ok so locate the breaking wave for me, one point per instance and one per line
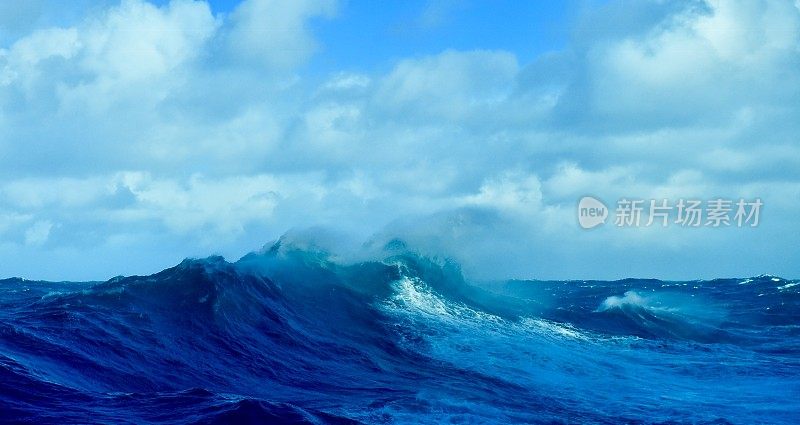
(290, 335)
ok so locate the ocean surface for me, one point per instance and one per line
(291, 335)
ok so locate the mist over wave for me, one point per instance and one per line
(295, 334)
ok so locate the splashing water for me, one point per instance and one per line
(288, 335)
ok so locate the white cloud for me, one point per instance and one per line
(450, 84)
(698, 64)
(167, 126)
(512, 192)
(347, 82)
(138, 40)
(221, 206)
(44, 44)
(274, 33)
(570, 182)
(136, 54)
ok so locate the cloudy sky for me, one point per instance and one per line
(134, 133)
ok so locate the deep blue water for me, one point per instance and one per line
(291, 336)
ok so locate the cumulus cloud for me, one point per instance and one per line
(449, 85)
(701, 65)
(174, 131)
(275, 33)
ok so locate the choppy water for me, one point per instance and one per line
(291, 336)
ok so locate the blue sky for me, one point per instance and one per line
(367, 36)
(134, 134)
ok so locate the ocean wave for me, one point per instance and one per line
(660, 315)
(292, 334)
